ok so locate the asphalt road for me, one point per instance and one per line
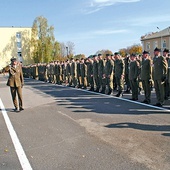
(63, 128)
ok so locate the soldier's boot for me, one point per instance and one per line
(119, 94)
(112, 92)
(100, 89)
(96, 90)
(91, 89)
(108, 90)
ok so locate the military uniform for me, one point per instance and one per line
(127, 61)
(165, 54)
(119, 69)
(159, 76)
(51, 79)
(78, 73)
(95, 73)
(83, 73)
(108, 74)
(57, 72)
(100, 72)
(146, 77)
(73, 73)
(68, 70)
(16, 81)
(168, 75)
(133, 75)
(90, 74)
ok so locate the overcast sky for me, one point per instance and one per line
(91, 24)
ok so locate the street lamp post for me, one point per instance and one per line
(67, 51)
(42, 51)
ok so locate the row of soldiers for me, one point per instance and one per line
(113, 72)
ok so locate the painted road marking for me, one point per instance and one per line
(18, 147)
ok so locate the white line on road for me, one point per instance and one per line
(18, 147)
(124, 99)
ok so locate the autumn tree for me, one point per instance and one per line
(104, 52)
(56, 55)
(123, 52)
(42, 40)
(136, 49)
(79, 56)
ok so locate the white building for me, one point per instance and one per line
(14, 42)
(159, 39)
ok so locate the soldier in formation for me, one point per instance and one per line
(108, 73)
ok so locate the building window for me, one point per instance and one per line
(155, 44)
(18, 35)
(148, 46)
(164, 44)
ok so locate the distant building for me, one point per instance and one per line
(14, 42)
(159, 39)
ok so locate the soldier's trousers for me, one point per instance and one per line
(14, 92)
(134, 88)
(166, 89)
(147, 89)
(73, 80)
(96, 82)
(90, 81)
(120, 83)
(58, 81)
(160, 90)
(101, 83)
(109, 81)
(83, 81)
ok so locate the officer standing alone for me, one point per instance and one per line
(16, 82)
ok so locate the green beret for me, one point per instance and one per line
(145, 52)
(157, 49)
(13, 59)
(166, 50)
(116, 53)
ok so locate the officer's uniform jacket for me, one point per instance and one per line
(108, 69)
(15, 76)
(100, 67)
(119, 68)
(146, 70)
(168, 75)
(73, 69)
(159, 68)
(133, 70)
(95, 68)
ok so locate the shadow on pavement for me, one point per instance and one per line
(166, 134)
(144, 127)
(71, 98)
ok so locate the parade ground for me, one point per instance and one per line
(65, 128)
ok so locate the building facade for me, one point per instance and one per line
(160, 39)
(14, 42)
